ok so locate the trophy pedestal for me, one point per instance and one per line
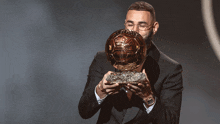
(126, 77)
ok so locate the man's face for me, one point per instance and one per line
(136, 20)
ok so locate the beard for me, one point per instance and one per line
(148, 39)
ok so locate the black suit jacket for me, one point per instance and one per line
(165, 76)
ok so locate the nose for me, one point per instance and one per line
(135, 28)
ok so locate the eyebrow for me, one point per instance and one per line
(141, 22)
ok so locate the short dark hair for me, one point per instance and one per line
(143, 6)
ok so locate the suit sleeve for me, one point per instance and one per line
(168, 105)
(88, 104)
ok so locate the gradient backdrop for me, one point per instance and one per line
(47, 47)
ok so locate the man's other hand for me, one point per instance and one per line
(142, 89)
(105, 87)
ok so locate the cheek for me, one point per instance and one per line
(144, 34)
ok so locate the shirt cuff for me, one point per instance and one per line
(148, 110)
(99, 100)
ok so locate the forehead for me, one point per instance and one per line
(138, 16)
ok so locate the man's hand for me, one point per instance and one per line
(143, 89)
(106, 88)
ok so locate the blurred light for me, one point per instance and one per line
(209, 23)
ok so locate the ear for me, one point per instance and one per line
(155, 28)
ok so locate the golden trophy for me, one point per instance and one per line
(126, 51)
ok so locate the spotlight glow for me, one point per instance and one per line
(209, 23)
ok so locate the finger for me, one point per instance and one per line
(141, 85)
(146, 81)
(112, 91)
(143, 71)
(126, 87)
(113, 86)
(109, 91)
(134, 91)
(134, 87)
(108, 83)
(116, 92)
(108, 73)
(144, 84)
(111, 83)
(104, 81)
(138, 93)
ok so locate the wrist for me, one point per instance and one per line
(100, 91)
(149, 100)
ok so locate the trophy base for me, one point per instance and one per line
(126, 77)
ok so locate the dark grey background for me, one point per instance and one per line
(47, 47)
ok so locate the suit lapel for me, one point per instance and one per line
(154, 52)
(130, 114)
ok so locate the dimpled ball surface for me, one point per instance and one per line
(125, 49)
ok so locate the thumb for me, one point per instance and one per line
(143, 71)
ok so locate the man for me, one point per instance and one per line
(131, 105)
